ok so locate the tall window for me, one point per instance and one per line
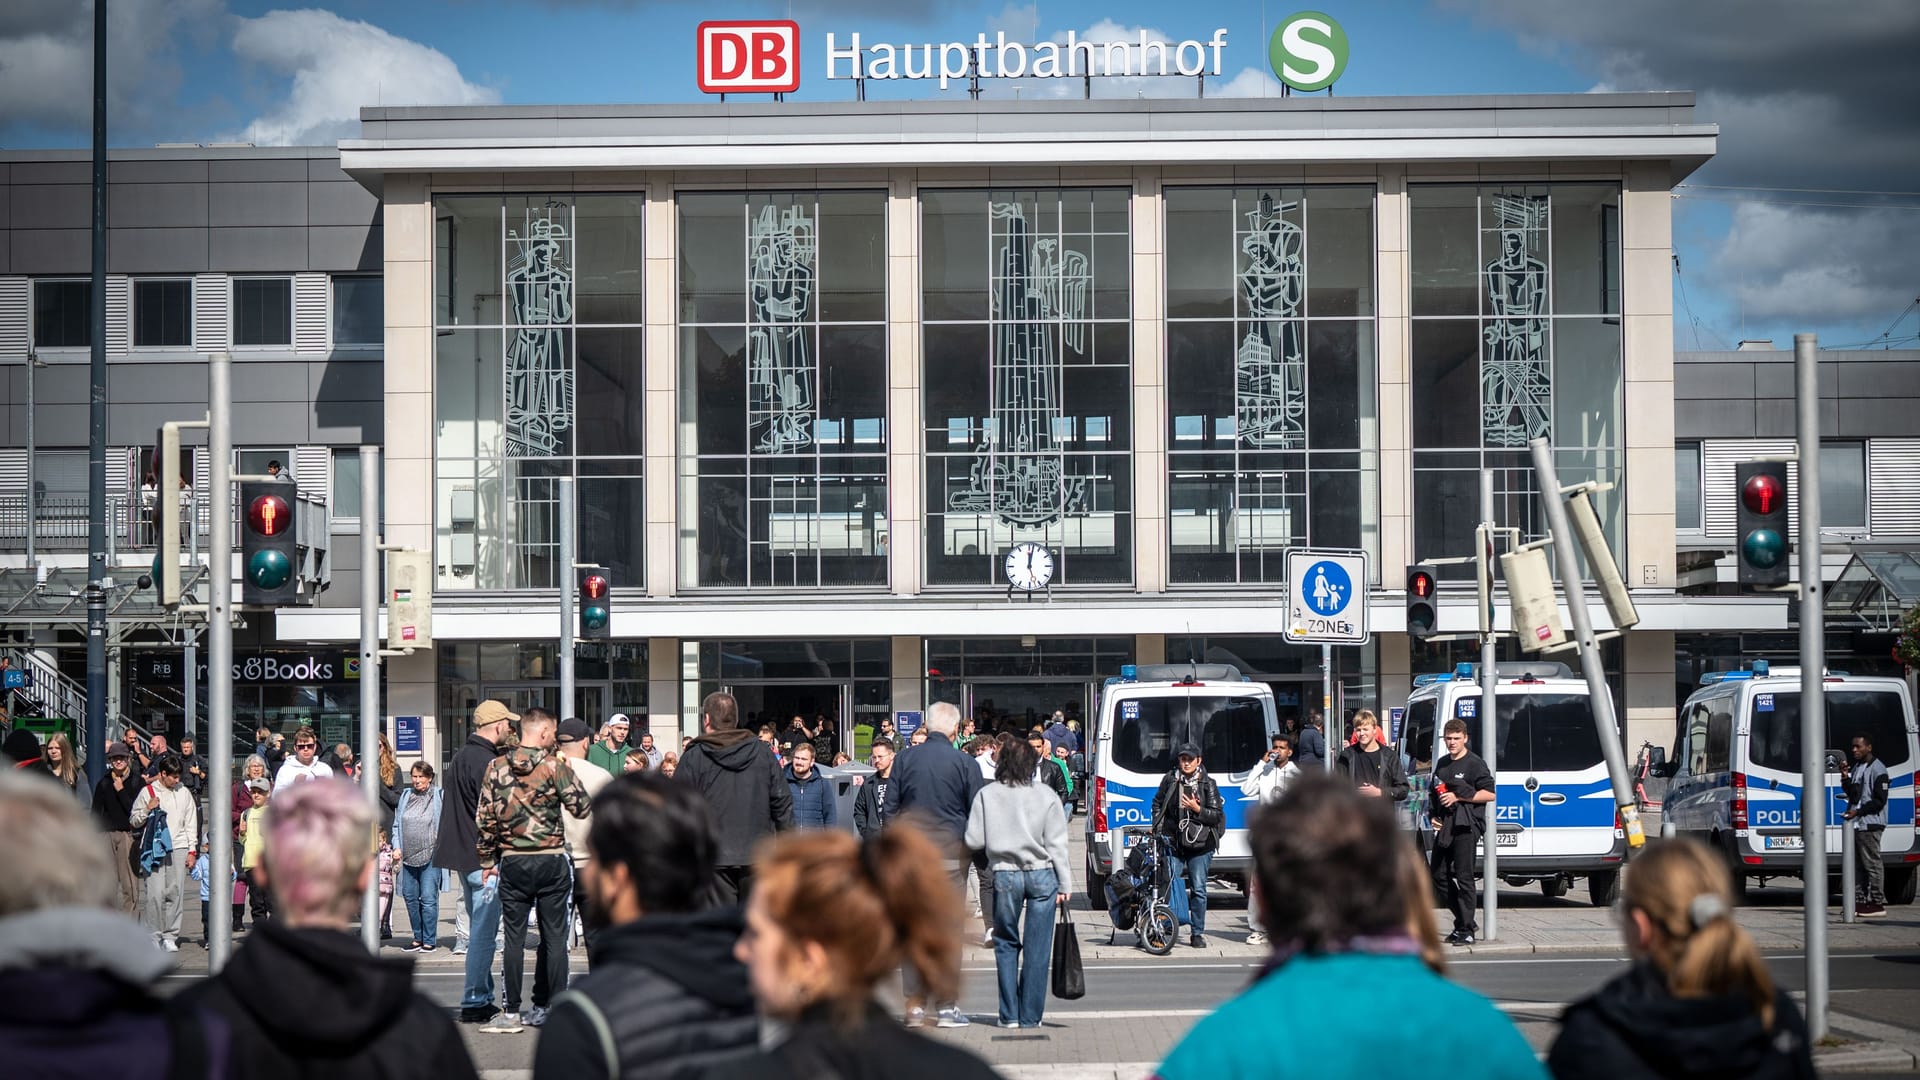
(263, 311)
(1027, 381)
(1272, 424)
(1516, 336)
(162, 313)
(1843, 485)
(62, 316)
(1688, 513)
(359, 311)
(784, 383)
(537, 376)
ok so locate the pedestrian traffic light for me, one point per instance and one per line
(1423, 618)
(596, 606)
(1761, 517)
(267, 546)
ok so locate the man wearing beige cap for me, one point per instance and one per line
(459, 852)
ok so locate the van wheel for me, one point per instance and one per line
(1735, 870)
(1900, 883)
(1603, 888)
(1553, 888)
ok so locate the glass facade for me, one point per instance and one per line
(1272, 417)
(783, 376)
(1027, 381)
(537, 376)
(1515, 336)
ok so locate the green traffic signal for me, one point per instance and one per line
(1764, 548)
(269, 568)
(593, 617)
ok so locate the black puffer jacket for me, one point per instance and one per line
(675, 1001)
(459, 846)
(744, 787)
(875, 1048)
(1635, 1027)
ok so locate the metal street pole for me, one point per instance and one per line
(219, 641)
(190, 687)
(1813, 670)
(33, 496)
(370, 720)
(97, 421)
(1489, 727)
(567, 558)
(1564, 551)
(1326, 704)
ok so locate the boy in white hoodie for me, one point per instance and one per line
(167, 884)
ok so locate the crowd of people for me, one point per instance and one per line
(734, 932)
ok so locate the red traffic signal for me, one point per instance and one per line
(593, 587)
(1763, 493)
(1423, 617)
(268, 515)
(1420, 583)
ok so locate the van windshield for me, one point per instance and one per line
(1541, 732)
(1873, 713)
(1148, 732)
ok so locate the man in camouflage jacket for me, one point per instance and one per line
(522, 844)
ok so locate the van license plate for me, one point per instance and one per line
(1785, 843)
(1507, 839)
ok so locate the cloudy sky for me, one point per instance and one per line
(1809, 219)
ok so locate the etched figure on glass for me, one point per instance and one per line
(1039, 290)
(1270, 368)
(1514, 374)
(780, 286)
(537, 375)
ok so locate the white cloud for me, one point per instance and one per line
(1819, 265)
(1022, 24)
(46, 61)
(338, 65)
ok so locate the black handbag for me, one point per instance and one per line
(1069, 977)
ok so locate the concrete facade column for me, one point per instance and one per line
(1651, 707)
(906, 425)
(661, 423)
(1646, 282)
(1396, 670)
(1150, 541)
(412, 682)
(909, 673)
(663, 689)
(1394, 426)
(1149, 649)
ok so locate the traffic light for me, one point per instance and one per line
(267, 547)
(596, 606)
(1423, 618)
(166, 516)
(1761, 515)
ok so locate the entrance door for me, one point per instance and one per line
(777, 703)
(1021, 706)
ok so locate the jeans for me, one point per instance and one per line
(483, 919)
(1870, 885)
(1023, 942)
(540, 882)
(420, 889)
(1195, 869)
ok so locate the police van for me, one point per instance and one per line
(1554, 815)
(1145, 715)
(1736, 769)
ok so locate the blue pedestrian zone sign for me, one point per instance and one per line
(1327, 597)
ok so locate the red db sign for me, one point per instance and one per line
(749, 57)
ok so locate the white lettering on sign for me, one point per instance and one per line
(952, 60)
(272, 669)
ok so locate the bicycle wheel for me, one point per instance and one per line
(1157, 929)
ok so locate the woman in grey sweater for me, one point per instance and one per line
(1018, 824)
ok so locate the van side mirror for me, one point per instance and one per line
(1664, 769)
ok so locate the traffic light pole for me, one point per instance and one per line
(1489, 726)
(219, 646)
(96, 707)
(370, 719)
(1554, 501)
(567, 598)
(1813, 671)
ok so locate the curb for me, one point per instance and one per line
(1870, 1058)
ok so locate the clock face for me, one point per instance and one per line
(1029, 566)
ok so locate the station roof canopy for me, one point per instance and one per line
(1876, 587)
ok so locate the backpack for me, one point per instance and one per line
(155, 842)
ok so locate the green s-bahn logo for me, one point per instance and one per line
(1308, 51)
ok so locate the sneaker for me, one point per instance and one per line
(1870, 911)
(916, 1017)
(536, 1016)
(1258, 937)
(952, 1017)
(507, 1023)
(1462, 939)
(1453, 938)
(1198, 941)
(1010, 1024)
(169, 944)
(477, 1014)
(459, 950)
(986, 939)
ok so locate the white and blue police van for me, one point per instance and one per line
(1554, 817)
(1144, 717)
(1736, 770)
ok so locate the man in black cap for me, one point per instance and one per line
(1189, 812)
(574, 738)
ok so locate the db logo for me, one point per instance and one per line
(749, 57)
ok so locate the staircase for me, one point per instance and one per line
(54, 694)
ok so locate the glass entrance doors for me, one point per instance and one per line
(1022, 706)
(777, 703)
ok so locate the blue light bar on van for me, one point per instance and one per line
(1463, 670)
(1760, 668)
(1128, 672)
(1713, 677)
(1429, 680)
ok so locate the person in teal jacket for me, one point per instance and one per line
(1346, 905)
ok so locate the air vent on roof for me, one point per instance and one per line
(1757, 345)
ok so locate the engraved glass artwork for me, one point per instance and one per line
(1039, 295)
(780, 285)
(538, 380)
(1514, 376)
(1270, 363)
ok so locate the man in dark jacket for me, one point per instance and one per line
(459, 852)
(935, 783)
(1313, 745)
(813, 795)
(303, 997)
(744, 789)
(1190, 813)
(869, 803)
(112, 804)
(1373, 766)
(665, 988)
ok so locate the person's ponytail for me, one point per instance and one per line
(1721, 958)
(1687, 892)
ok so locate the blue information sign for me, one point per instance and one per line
(406, 734)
